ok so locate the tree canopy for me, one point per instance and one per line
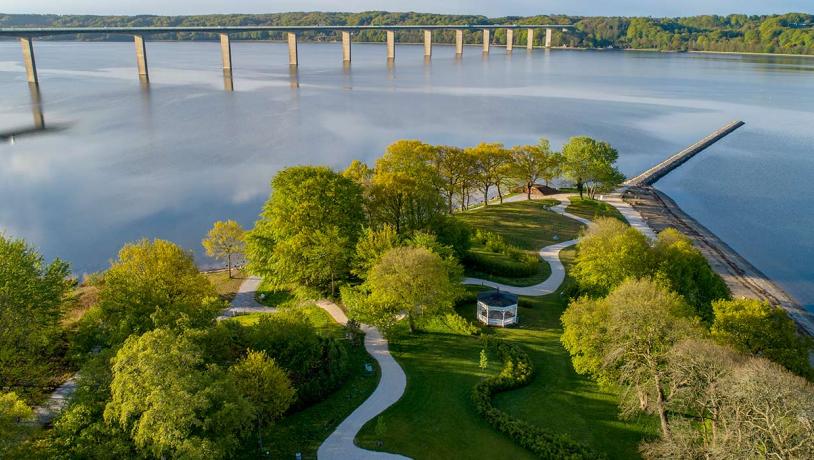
(31, 298)
(153, 284)
(308, 228)
(224, 241)
(414, 281)
(590, 164)
(760, 329)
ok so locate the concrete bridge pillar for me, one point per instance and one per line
(292, 49)
(459, 42)
(486, 41)
(391, 45)
(226, 52)
(530, 39)
(345, 46)
(141, 57)
(427, 43)
(509, 40)
(28, 59)
(548, 33)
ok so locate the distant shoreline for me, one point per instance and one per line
(518, 47)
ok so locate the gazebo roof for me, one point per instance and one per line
(497, 298)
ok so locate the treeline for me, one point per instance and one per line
(652, 318)
(789, 33)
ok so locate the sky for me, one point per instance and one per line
(490, 8)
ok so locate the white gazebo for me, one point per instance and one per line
(496, 308)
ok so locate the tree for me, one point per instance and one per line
(370, 247)
(307, 229)
(749, 408)
(490, 162)
(610, 252)
(154, 284)
(224, 240)
(529, 163)
(760, 329)
(639, 322)
(590, 163)
(413, 280)
(453, 165)
(171, 403)
(265, 386)
(405, 189)
(31, 297)
(688, 273)
(484, 360)
(13, 411)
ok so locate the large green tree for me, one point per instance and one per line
(406, 188)
(414, 281)
(529, 163)
(454, 167)
(265, 386)
(761, 329)
(491, 164)
(626, 337)
(687, 272)
(172, 403)
(152, 284)
(31, 297)
(307, 230)
(590, 164)
(608, 253)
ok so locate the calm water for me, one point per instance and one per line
(168, 160)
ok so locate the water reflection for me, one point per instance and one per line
(38, 127)
(228, 81)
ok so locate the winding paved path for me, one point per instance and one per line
(550, 254)
(245, 300)
(339, 445)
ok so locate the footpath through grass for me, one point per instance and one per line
(528, 225)
(592, 209)
(305, 430)
(436, 417)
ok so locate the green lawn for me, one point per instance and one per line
(436, 419)
(529, 225)
(226, 287)
(591, 209)
(305, 430)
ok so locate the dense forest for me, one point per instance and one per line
(788, 33)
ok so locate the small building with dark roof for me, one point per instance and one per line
(497, 308)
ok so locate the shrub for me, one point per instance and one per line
(528, 266)
(518, 371)
(450, 323)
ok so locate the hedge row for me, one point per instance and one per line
(517, 372)
(529, 265)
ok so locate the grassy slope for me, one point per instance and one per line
(591, 209)
(304, 431)
(226, 287)
(435, 417)
(525, 224)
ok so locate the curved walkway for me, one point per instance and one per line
(245, 300)
(550, 254)
(339, 445)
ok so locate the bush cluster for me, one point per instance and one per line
(450, 323)
(518, 371)
(522, 264)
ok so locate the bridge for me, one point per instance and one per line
(27, 35)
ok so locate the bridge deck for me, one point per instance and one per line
(45, 31)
